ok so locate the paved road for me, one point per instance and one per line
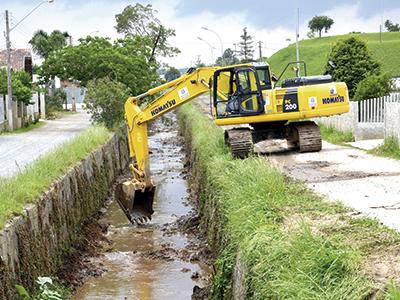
(18, 150)
(366, 183)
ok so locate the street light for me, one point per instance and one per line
(11, 123)
(220, 41)
(211, 47)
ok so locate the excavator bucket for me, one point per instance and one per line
(137, 204)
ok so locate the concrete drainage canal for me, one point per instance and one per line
(167, 258)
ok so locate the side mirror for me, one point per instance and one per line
(274, 78)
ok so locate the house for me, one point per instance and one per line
(21, 59)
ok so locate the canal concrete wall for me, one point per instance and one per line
(34, 243)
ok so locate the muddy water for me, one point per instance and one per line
(152, 261)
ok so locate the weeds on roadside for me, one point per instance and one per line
(389, 148)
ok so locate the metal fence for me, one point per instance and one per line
(372, 110)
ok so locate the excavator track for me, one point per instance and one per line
(240, 142)
(304, 136)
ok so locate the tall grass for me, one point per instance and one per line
(245, 205)
(30, 183)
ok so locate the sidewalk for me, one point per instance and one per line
(18, 150)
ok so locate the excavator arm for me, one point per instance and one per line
(136, 194)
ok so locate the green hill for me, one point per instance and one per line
(315, 52)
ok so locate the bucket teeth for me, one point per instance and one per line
(136, 203)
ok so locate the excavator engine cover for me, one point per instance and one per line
(137, 204)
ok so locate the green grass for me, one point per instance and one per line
(315, 53)
(390, 148)
(29, 184)
(26, 129)
(294, 245)
(335, 136)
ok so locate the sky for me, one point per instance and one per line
(271, 22)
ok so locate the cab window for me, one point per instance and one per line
(264, 77)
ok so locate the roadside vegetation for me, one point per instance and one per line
(25, 129)
(291, 243)
(334, 136)
(36, 178)
(389, 148)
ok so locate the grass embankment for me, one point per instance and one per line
(335, 136)
(36, 178)
(390, 148)
(315, 52)
(294, 245)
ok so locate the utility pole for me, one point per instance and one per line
(381, 25)
(297, 42)
(10, 114)
(259, 50)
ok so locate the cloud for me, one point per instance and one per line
(81, 18)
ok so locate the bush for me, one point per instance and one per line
(352, 63)
(373, 86)
(55, 102)
(105, 100)
(171, 74)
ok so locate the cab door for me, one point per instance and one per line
(248, 92)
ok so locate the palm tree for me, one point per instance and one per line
(43, 43)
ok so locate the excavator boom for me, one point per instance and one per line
(136, 194)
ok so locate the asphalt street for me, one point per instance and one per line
(18, 150)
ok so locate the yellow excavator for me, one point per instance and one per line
(239, 94)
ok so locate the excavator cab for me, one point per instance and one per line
(237, 91)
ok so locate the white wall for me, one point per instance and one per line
(392, 120)
(345, 122)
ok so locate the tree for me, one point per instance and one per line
(140, 20)
(311, 34)
(391, 27)
(373, 86)
(171, 74)
(124, 60)
(55, 102)
(246, 46)
(105, 100)
(43, 44)
(21, 84)
(228, 58)
(351, 62)
(318, 23)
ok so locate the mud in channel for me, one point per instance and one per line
(167, 258)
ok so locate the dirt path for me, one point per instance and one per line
(167, 258)
(18, 150)
(366, 183)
